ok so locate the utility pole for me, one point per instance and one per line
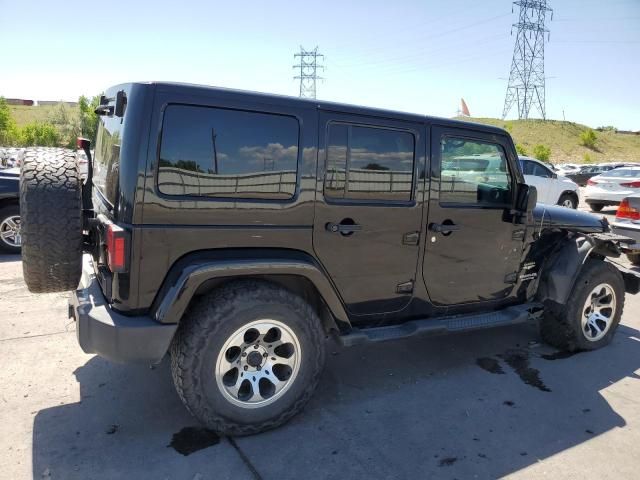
(308, 71)
(526, 80)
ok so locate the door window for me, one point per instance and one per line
(474, 172)
(369, 163)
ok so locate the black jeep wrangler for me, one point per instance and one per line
(237, 231)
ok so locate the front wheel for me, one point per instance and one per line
(10, 237)
(591, 316)
(248, 357)
(596, 207)
(567, 200)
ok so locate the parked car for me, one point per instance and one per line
(238, 230)
(10, 238)
(611, 187)
(627, 223)
(582, 176)
(552, 188)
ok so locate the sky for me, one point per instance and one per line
(414, 56)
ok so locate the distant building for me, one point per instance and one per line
(19, 101)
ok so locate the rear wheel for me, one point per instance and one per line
(51, 220)
(596, 207)
(634, 258)
(248, 357)
(591, 315)
(10, 235)
(568, 200)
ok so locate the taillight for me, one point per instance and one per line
(635, 184)
(591, 182)
(116, 242)
(625, 210)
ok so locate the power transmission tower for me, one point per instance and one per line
(308, 71)
(526, 80)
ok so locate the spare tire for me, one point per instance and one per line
(51, 220)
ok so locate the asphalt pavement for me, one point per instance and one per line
(485, 404)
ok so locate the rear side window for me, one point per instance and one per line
(369, 163)
(106, 161)
(214, 152)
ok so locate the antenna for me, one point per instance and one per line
(526, 80)
(308, 71)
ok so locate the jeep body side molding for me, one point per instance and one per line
(192, 275)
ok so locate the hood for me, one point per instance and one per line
(553, 216)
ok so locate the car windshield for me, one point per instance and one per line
(621, 173)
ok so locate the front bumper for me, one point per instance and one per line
(110, 334)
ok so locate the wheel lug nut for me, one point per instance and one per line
(265, 355)
(255, 346)
(244, 354)
(259, 368)
(245, 368)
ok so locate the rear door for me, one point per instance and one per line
(473, 248)
(368, 216)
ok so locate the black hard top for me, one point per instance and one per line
(269, 98)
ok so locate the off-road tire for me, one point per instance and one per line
(561, 325)
(5, 213)
(51, 220)
(634, 258)
(567, 196)
(596, 207)
(206, 326)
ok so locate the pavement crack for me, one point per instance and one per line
(35, 336)
(245, 459)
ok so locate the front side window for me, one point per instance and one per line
(474, 173)
(214, 152)
(369, 163)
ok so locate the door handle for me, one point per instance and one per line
(343, 228)
(444, 228)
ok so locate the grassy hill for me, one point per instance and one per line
(564, 140)
(42, 113)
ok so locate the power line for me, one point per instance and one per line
(526, 80)
(308, 71)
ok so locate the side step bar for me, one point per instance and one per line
(443, 325)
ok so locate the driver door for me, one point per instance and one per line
(473, 248)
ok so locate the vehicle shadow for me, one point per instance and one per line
(426, 406)
(9, 257)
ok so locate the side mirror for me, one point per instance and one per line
(527, 197)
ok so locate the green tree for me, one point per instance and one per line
(542, 152)
(39, 134)
(88, 117)
(8, 128)
(588, 138)
(521, 150)
(67, 122)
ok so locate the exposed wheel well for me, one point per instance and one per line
(296, 284)
(571, 193)
(5, 202)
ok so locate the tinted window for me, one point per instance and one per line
(534, 168)
(458, 185)
(106, 161)
(227, 153)
(366, 163)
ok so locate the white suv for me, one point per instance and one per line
(553, 189)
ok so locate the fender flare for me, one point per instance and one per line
(562, 267)
(190, 273)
